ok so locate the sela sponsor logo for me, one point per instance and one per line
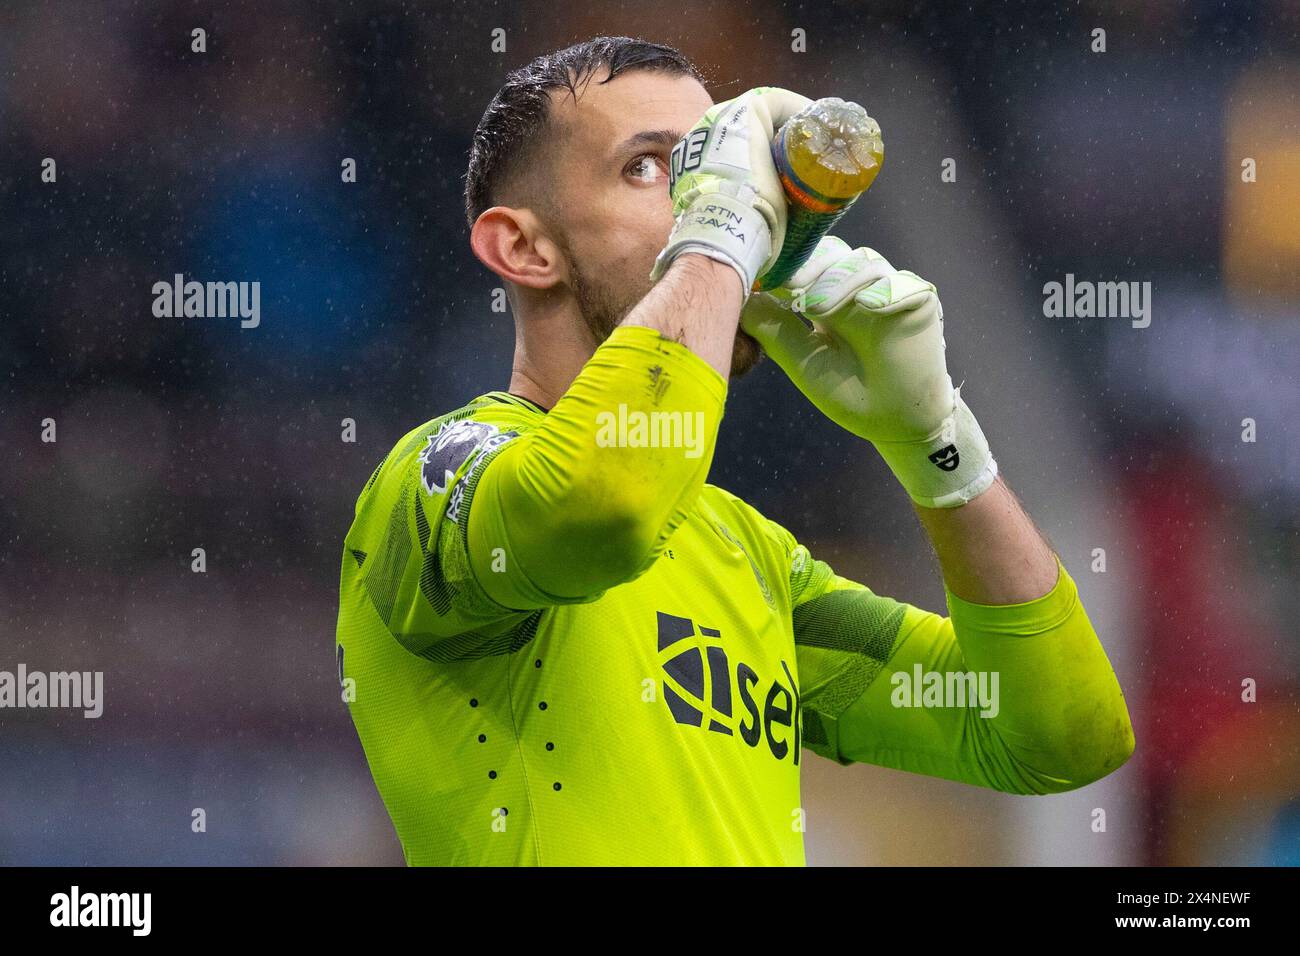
(74, 908)
(922, 688)
(638, 429)
(208, 300)
(73, 689)
(1101, 300)
(697, 684)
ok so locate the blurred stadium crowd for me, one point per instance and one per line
(176, 434)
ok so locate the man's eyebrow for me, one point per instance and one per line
(667, 138)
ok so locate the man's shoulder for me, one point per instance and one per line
(488, 414)
(436, 451)
(411, 521)
(736, 510)
(720, 498)
(451, 438)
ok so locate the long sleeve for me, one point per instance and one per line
(1058, 720)
(478, 520)
(588, 498)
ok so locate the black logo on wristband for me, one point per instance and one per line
(946, 458)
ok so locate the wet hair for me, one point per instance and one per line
(511, 131)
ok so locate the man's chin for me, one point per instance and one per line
(745, 355)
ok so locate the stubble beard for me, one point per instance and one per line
(603, 309)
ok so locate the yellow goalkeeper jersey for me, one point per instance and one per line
(517, 708)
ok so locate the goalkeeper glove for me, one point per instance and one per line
(727, 195)
(873, 363)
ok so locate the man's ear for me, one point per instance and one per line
(514, 245)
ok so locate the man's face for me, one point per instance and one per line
(610, 204)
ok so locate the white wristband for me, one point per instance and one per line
(724, 228)
(949, 468)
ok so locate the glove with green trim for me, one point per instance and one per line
(873, 362)
(727, 195)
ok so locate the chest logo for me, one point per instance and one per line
(698, 680)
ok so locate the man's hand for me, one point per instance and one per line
(726, 192)
(873, 362)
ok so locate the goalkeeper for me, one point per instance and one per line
(559, 644)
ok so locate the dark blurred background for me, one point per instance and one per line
(175, 434)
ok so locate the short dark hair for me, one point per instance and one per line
(509, 130)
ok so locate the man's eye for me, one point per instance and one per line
(648, 168)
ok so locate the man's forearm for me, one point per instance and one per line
(576, 513)
(990, 550)
(696, 303)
